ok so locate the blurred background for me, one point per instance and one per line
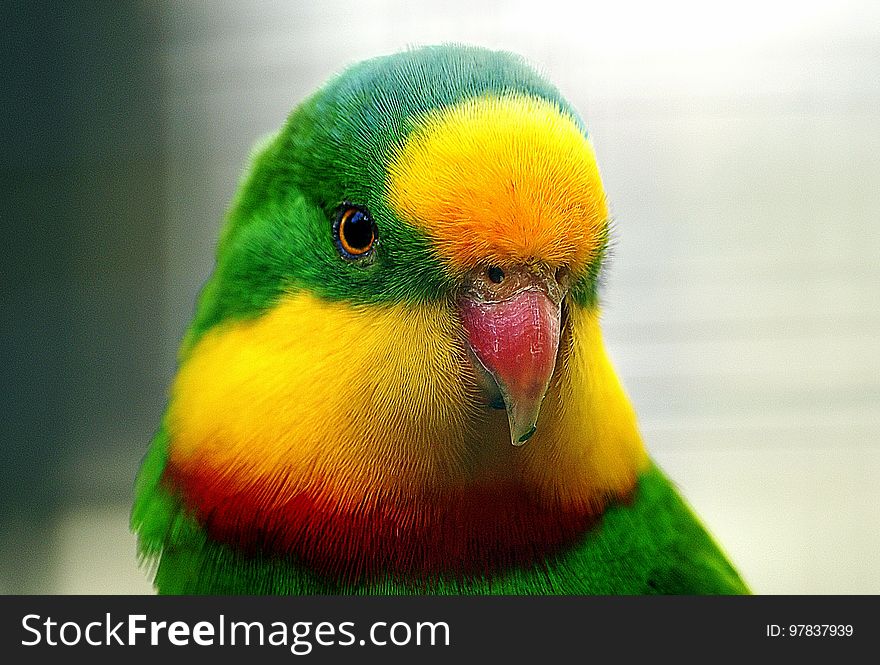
(740, 147)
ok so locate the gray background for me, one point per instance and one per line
(740, 148)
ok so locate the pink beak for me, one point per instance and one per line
(516, 340)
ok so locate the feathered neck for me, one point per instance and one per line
(353, 439)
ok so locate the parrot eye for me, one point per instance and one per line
(354, 231)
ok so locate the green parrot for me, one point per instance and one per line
(395, 380)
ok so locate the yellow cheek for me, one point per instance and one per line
(373, 402)
(590, 445)
(321, 392)
(501, 180)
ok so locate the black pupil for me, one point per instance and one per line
(358, 231)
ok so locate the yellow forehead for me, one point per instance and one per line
(501, 180)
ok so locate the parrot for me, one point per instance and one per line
(395, 380)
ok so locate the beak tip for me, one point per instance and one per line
(525, 436)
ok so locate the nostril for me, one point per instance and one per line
(561, 275)
(496, 274)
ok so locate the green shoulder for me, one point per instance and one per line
(655, 545)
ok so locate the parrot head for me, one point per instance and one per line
(397, 363)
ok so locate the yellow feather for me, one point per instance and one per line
(530, 190)
(380, 401)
